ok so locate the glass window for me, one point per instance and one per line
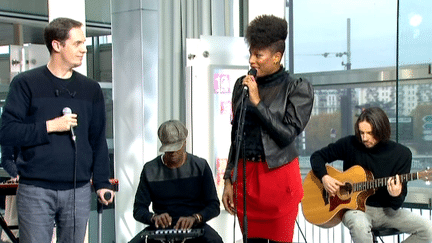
(391, 65)
(415, 28)
(4, 49)
(330, 34)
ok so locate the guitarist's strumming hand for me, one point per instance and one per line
(331, 185)
(394, 186)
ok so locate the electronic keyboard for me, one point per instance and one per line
(171, 235)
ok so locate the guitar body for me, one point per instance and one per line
(325, 211)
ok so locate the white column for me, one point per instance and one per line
(73, 9)
(135, 35)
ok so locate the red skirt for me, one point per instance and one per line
(272, 199)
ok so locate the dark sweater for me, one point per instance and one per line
(36, 96)
(383, 160)
(179, 192)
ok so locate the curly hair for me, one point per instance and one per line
(379, 121)
(267, 31)
(58, 29)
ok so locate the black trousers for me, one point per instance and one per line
(210, 236)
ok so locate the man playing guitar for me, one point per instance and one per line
(372, 149)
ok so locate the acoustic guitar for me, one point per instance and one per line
(324, 211)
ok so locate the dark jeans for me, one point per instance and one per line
(39, 209)
(210, 236)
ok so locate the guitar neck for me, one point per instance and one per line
(382, 182)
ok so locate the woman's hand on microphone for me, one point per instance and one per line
(252, 85)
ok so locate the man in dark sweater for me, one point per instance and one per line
(372, 149)
(180, 187)
(57, 162)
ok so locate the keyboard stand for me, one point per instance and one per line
(7, 229)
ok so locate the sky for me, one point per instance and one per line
(321, 27)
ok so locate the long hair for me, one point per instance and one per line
(58, 29)
(267, 31)
(379, 121)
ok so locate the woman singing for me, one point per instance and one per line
(278, 109)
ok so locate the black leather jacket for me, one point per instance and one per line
(282, 119)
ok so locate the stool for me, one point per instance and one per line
(377, 233)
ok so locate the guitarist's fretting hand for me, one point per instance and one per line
(331, 185)
(394, 187)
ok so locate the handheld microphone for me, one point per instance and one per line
(107, 195)
(67, 111)
(252, 72)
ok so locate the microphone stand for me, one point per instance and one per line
(74, 182)
(238, 143)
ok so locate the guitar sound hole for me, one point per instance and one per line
(345, 190)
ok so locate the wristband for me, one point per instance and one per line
(198, 218)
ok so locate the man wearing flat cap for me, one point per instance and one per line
(180, 187)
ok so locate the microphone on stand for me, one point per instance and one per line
(67, 111)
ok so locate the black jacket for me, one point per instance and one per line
(282, 116)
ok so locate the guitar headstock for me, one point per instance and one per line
(425, 175)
